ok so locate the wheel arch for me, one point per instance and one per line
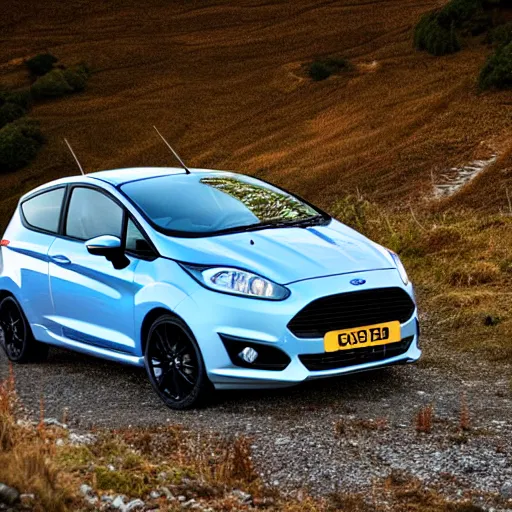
(148, 321)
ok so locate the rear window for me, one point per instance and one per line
(199, 204)
(43, 211)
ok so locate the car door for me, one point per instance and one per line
(93, 301)
(28, 248)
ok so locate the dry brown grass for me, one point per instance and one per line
(424, 419)
(223, 81)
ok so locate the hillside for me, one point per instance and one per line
(226, 84)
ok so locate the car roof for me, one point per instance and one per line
(117, 177)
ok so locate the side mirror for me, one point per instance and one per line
(110, 247)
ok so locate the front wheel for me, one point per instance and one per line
(174, 364)
(15, 334)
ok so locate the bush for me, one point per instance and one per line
(10, 112)
(77, 77)
(21, 97)
(41, 64)
(497, 72)
(501, 35)
(19, 144)
(436, 32)
(60, 82)
(321, 69)
(430, 35)
(51, 85)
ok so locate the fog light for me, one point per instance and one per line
(248, 354)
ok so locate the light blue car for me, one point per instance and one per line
(209, 279)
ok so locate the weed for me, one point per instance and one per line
(19, 144)
(321, 69)
(424, 419)
(497, 71)
(464, 419)
(41, 64)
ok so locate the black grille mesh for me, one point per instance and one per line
(353, 309)
(344, 358)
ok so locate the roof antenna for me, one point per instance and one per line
(74, 156)
(187, 170)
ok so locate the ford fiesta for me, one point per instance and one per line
(208, 279)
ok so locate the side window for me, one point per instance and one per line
(43, 210)
(136, 242)
(92, 214)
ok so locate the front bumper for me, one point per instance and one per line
(210, 314)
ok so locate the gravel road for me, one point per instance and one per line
(295, 439)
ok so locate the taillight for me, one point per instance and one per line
(4, 243)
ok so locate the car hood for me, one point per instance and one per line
(284, 255)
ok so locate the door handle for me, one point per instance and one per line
(60, 259)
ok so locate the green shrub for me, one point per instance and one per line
(321, 69)
(21, 97)
(10, 112)
(501, 35)
(77, 77)
(19, 144)
(51, 85)
(497, 71)
(432, 36)
(41, 64)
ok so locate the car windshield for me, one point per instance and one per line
(202, 204)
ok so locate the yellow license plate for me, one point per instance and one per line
(359, 337)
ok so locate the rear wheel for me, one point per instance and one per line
(16, 336)
(174, 364)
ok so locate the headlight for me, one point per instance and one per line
(238, 282)
(399, 267)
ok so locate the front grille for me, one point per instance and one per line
(344, 358)
(353, 309)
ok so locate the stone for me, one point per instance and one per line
(188, 504)
(154, 495)
(86, 490)
(8, 495)
(134, 505)
(506, 490)
(167, 493)
(244, 497)
(118, 502)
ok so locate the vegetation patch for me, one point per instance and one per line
(497, 72)
(321, 69)
(60, 82)
(19, 144)
(41, 64)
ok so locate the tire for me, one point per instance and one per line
(16, 336)
(174, 364)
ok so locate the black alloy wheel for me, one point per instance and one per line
(174, 364)
(15, 335)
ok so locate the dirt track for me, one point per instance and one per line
(293, 430)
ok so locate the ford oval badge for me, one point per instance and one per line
(357, 282)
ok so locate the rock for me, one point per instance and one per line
(244, 497)
(92, 500)
(188, 504)
(59, 442)
(167, 493)
(110, 467)
(55, 422)
(182, 498)
(134, 505)
(107, 499)
(506, 490)
(8, 495)
(80, 439)
(154, 495)
(27, 497)
(118, 502)
(162, 476)
(86, 490)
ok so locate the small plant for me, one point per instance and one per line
(77, 76)
(500, 35)
(41, 64)
(19, 144)
(321, 69)
(51, 85)
(464, 420)
(10, 112)
(434, 37)
(424, 419)
(497, 71)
